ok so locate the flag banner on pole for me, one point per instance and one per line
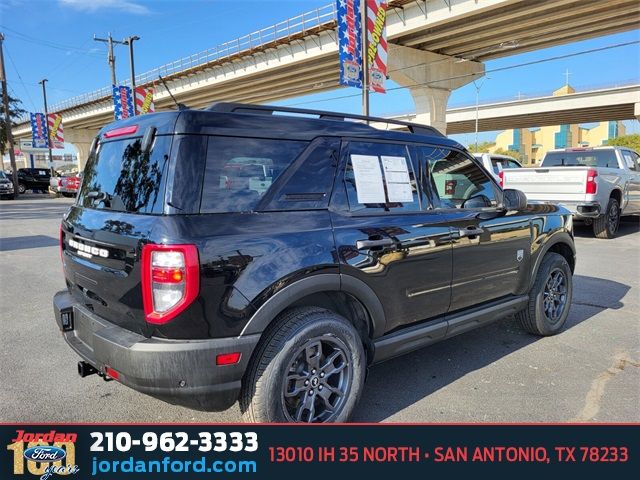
(56, 131)
(377, 44)
(39, 133)
(349, 42)
(122, 102)
(144, 100)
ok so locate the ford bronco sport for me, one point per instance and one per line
(269, 255)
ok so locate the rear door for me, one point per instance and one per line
(490, 250)
(632, 160)
(114, 214)
(388, 235)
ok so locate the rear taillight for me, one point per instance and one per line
(592, 186)
(170, 280)
(59, 182)
(501, 178)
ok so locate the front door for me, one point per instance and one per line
(490, 249)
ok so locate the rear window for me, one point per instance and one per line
(589, 158)
(120, 177)
(240, 171)
(500, 164)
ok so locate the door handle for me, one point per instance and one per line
(470, 232)
(382, 242)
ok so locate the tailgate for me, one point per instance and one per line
(548, 184)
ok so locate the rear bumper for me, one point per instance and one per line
(578, 209)
(181, 372)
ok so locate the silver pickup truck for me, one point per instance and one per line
(597, 185)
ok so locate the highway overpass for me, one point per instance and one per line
(436, 46)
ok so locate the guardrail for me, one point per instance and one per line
(299, 24)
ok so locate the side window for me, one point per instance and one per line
(379, 177)
(307, 184)
(239, 171)
(631, 159)
(458, 181)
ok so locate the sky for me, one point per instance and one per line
(53, 39)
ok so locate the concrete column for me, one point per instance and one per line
(81, 138)
(430, 78)
(636, 111)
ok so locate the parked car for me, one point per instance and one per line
(6, 186)
(34, 179)
(255, 253)
(496, 163)
(597, 185)
(66, 185)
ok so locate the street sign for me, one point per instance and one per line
(27, 147)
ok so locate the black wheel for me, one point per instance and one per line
(550, 297)
(22, 188)
(606, 225)
(309, 367)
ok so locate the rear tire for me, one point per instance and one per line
(606, 225)
(22, 188)
(309, 367)
(549, 298)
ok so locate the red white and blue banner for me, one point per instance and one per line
(122, 102)
(377, 44)
(350, 42)
(39, 133)
(56, 130)
(144, 100)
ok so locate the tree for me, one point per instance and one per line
(509, 153)
(483, 147)
(15, 112)
(631, 141)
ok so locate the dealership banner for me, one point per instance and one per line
(377, 44)
(39, 134)
(122, 102)
(185, 451)
(144, 100)
(350, 42)
(56, 130)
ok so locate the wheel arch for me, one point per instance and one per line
(560, 243)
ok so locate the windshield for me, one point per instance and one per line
(3, 176)
(121, 177)
(583, 158)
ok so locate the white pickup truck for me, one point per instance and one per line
(597, 185)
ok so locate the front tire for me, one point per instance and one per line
(606, 225)
(22, 188)
(309, 367)
(550, 297)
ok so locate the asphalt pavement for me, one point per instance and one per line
(589, 372)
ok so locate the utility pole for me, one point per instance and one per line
(111, 58)
(365, 58)
(46, 120)
(129, 41)
(7, 119)
(478, 86)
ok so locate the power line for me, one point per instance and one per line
(47, 43)
(21, 80)
(497, 69)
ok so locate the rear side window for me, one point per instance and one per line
(239, 171)
(500, 164)
(589, 158)
(123, 178)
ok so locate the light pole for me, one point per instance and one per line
(46, 120)
(129, 41)
(478, 86)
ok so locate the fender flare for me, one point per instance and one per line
(559, 237)
(326, 282)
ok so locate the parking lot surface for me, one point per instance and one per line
(589, 372)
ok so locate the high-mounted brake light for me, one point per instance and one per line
(591, 187)
(501, 178)
(120, 132)
(170, 280)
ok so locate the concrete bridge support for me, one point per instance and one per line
(430, 78)
(81, 138)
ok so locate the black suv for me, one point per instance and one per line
(269, 255)
(34, 179)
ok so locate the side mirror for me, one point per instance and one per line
(514, 200)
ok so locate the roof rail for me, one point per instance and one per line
(234, 107)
